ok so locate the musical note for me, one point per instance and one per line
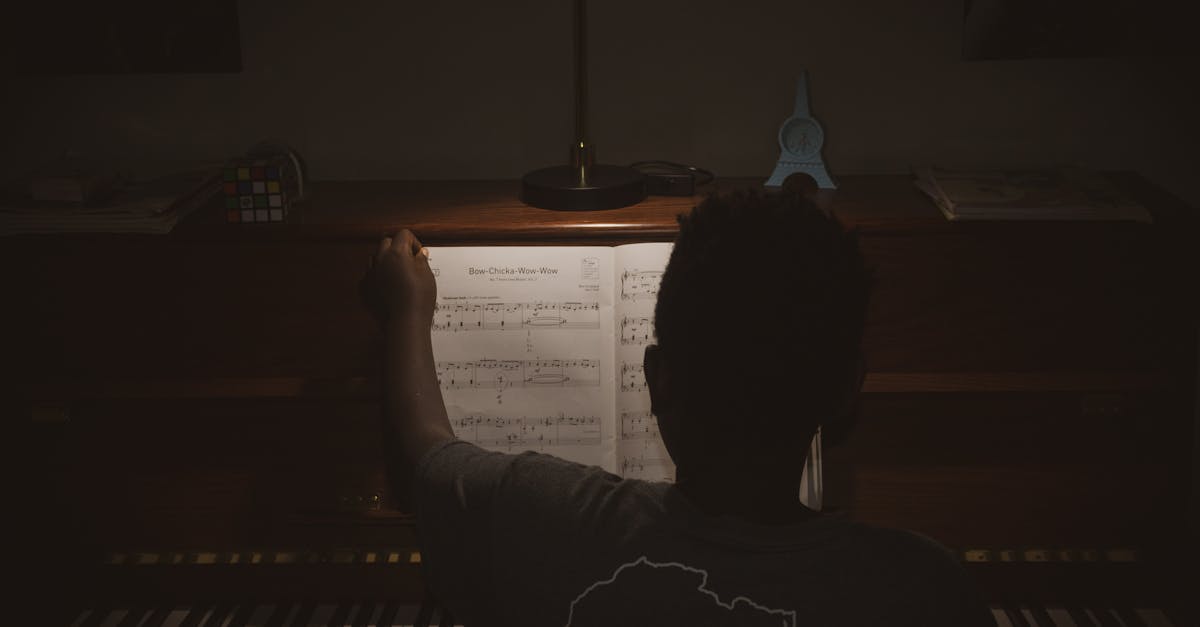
(637, 330)
(509, 432)
(633, 379)
(647, 468)
(638, 425)
(454, 317)
(506, 373)
(640, 284)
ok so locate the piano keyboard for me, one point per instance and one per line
(1051, 616)
(392, 615)
(265, 615)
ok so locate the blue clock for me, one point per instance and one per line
(800, 140)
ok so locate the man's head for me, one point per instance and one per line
(759, 321)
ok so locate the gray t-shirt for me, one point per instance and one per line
(532, 539)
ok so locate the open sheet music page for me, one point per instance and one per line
(640, 450)
(523, 344)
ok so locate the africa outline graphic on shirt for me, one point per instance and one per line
(785, 618)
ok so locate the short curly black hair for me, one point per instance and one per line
(760, 313)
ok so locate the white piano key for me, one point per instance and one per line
(321, 615)
(1154, 617)
(1029, 617)
(114, 618)
(176, 617)
(1001, 617)
(1061, 617)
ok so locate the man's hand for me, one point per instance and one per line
(400, 284)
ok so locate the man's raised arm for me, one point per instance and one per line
(401, 291)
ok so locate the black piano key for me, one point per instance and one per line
(260, 615)
(281, 615)
(999, 616)
(1041, 617)
(1181, 615)
(447, 619)
(156, 618)
(322, 615)
(1063, 618)
(80, 617)
(196, 615)
(1081, 617)
(425, 614)
(406, 615)
(216, 618)
(96, 617)
(1155, 617)
(1106, 618)
(363, 616)
(111, 617)
(303, 614)
(388, 615)
(1016, 617)
(340, 616)
(114, 617)
(176, 616)
(132, 618)
(241, 616)
(1129, 617)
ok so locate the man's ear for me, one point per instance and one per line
(657, 380)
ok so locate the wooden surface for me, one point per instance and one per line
(1030, 384)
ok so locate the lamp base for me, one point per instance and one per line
(606, 187)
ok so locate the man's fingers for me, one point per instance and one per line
(406, 242)
(415, 245)
(384, 245)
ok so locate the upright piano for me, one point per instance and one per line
(196, 427)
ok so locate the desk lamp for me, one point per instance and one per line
(583, 185)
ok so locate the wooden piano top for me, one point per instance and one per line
(477, 212)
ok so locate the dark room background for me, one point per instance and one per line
(481, 90)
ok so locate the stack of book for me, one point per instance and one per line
(1047, 194)
(152, 206)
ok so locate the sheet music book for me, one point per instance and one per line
(540, 348)
(1041, 194)
(153, 206)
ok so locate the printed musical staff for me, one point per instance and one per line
(527, 431)
(647, 468)
(639, 425)
(637, 330)
(640, 284)
(506, 373)
(455, 317)
(632, 378)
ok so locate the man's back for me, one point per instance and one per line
(534, 540)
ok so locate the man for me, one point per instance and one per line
(534, 540)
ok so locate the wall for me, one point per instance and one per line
(375, 90)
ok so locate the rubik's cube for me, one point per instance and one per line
(257, 190)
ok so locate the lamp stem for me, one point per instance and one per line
(582, 153)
